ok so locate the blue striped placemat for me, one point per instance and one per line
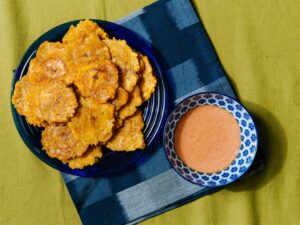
(190, 65)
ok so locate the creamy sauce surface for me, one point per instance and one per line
(207, 138)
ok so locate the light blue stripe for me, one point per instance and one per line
(155, 193)
(179, 7)
(220, 85)
(130, 16)
(139, 25)
(68, 177)
(186, 77)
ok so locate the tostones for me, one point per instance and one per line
(93, 123)
(59, 142)
(84, 43)
(77, 34)
(91, 48)
(127, 62)
(147, 81)
(121, 98)
(129, 137)
(51, 63)
(90, 157)
(98, 81)
(110, 81)
(26, 101)
(130, 108)
(49, 50)
(48, 102)
(57, 102)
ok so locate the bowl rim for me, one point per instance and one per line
(165, 142)
(149, 50)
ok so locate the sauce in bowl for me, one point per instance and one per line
(207, 138)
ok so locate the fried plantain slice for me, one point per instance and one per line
(84, 28)
(26, 102)
(51, 63)
(130, 108)
(109, 78)
(98, 81)
(126, 60)
(57, 102)
(93, 123)
(49, 50)
(148, 81)
(121, 98)
(89, 49)
(48, 102)
(84, 43)
(59, 142)
(89, 158)
(130, 136)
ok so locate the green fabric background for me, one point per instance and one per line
(258, 44)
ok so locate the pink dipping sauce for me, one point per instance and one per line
(207, 138)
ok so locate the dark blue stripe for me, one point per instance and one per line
(80, 189)
(106, 212)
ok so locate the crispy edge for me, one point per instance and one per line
(127, 62)
(121, 98)
(130, 108)
(130, 136)
(89, 158)
(81, 30)
(148, 81)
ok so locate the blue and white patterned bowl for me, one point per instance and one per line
(247, 150)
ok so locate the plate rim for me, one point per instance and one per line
(153, 57)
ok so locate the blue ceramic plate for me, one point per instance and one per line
(247, 150)
(154, 111)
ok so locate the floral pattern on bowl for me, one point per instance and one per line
(248, 146)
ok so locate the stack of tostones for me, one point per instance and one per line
(85, 92)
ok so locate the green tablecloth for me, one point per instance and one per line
(258, 44)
